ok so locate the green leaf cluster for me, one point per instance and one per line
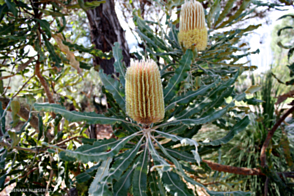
(164, 158)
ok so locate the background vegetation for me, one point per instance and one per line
(236, 116)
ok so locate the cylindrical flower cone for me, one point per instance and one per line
(144, 94)
(193, 33)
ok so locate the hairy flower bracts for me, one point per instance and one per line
(193, 33)
(144, 94)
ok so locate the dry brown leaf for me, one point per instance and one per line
(24, 65)
(69, 54)
(283, 97)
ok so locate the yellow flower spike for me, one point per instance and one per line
(193, 33)
(144, 94)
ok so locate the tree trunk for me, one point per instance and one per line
(105, 31)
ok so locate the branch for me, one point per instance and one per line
(51, 176)
(24, 65)
(270, 135)
(66, 140)
(45, 85)
(23, 86)
(33, 150)
(24, 113)
(287, 174)
(242, 170)
(266, 187)
(233, 170)
(5, 77)
(43, 82)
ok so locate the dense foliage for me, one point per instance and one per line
(51, 149)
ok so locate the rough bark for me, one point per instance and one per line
(105, 31)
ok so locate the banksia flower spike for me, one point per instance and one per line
(144, 94)
(193, 33)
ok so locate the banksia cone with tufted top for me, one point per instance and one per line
(144, 94)
(193, 33)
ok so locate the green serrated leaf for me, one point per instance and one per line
(202, 120)
(123, 162)
(173, 39)
(119, 166)
(102, 172)
(118, 64)
(180, 171)
(122, 186)
(156, 185)
(176, 129)
(12, 7)
(237, 15)
(180, 75)
(63, 156)
(225, 12)
(181, 155)
(38, 48)
(239, 126)
(45, 26)
(73, 116)
(88, 153)
(98, 146)
(146, 38)
(140, 174)
(147, 34)
(192, 110)
(87, 175)
(191, 95)
(178, 166)
(184, 141)
(213, 13)
(55, 58)
(160, 163)
(173, 184)
(83, 177)
(113, 86)
(88, 140)
(204, 150)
